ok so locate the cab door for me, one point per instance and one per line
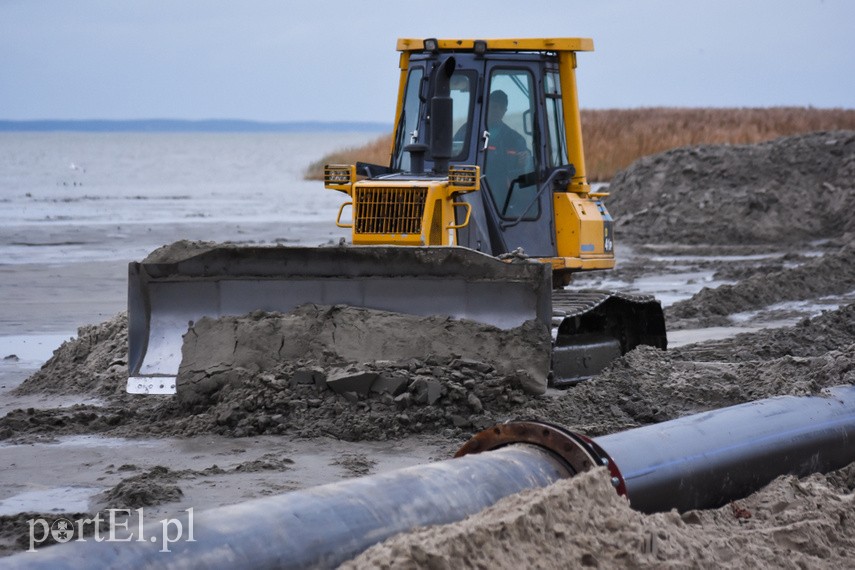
(513, 147)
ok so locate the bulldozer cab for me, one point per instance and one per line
(507, 109)
(507, 118)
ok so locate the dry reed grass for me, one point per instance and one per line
(377, 151)
(614, 138)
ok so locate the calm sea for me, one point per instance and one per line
(67, 197)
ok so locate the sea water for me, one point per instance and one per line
(76, 208)
(98, 196)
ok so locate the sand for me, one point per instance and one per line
(791, 190)
(831, 274)
(582, 522)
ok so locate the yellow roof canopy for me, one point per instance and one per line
(503, 44)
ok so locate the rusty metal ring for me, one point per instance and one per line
(578, 452)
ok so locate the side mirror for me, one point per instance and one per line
(561, 176)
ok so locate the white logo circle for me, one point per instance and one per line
(62, 530)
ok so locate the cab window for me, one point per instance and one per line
(555, 121)
(462, 85)
(408, 123)
(509, 165)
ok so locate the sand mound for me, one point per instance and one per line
(93, 363)
(220, 351)
(449, 396)
(432, 396)
(831, 274)
(179, 250)
(355, 373)
(318, 371)
(832, 330)
(581, 522)
(791, 190)
(153, 487)
(648, 385)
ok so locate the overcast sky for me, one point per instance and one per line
(335, 60)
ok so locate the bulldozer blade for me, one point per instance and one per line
(165, 297)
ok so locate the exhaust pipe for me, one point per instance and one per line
(698, 461)
(441, 117)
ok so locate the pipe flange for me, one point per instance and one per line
(579, 453)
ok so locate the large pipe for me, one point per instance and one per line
(322, 526)
(692, 462)
(708, 459)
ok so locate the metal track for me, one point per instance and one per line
(590, 328)
(569, 303)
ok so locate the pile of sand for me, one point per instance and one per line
(218, 352)
(356, 373)
(179, 250)
(94, 363)
(830, 274)
(439, 396)
(791, 190)
(317, 371)
(649, 386)
(830, 331)
(446, 395)
(582, 522)
(153, 487)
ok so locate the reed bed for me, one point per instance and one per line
(377, 151)
(615, 138)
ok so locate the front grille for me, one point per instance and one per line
(389, 210)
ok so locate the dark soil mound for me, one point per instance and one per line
(791, 190)
(153, 487)
(832, 330)
(453, 397)
(648, 385)
(831, 274)
(93, 363)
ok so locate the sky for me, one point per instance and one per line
(335, 60)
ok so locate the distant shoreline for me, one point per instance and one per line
(188, 126)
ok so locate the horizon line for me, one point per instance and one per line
(186, 125)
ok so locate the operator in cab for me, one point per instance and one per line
(507, 153)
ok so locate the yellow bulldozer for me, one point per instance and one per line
(483, 212)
